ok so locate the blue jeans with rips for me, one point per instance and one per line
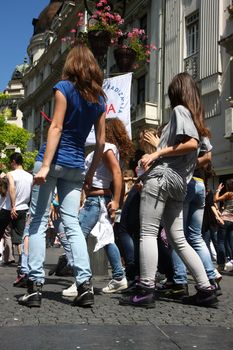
(193, 216)
(69, 182)
(88, 217)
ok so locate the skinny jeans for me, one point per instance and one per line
(155, 204)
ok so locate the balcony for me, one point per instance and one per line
(191, 66)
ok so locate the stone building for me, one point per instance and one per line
(190, 35)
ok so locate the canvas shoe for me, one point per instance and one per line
(33, 296)
(71, 291)
(85, 297)
(115, 286)
(229, 266)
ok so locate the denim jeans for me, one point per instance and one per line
(88, 217)
(69, 183)
(225, 242)
(155, 204)
(211, 236)
(129, 238)
(193, 216)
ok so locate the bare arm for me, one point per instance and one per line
(187, 146)
(113, 165)
(54, 135)
(217, 197)
(217, 216)
(204, 160)
(98, 152)
(12, 194)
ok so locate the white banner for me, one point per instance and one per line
(117, 90)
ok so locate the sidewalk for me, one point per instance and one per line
(108, 325)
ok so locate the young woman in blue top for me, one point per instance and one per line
(79, 104)
(164, 190)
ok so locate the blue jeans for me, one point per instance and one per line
(88, 217)
(129, 237)
(211, 235)
(225, 242)
(69, 183)
(193, 216)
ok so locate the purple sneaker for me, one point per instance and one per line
(143, 298)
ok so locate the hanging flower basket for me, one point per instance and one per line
(99, 41)
(125, 59)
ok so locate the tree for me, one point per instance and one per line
(13, 135)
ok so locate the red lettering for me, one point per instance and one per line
(110, 108)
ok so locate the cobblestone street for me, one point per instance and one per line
(168, 319)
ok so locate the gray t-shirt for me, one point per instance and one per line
(176, 171)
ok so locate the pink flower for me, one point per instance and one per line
(73, 31)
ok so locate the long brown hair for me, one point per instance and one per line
(116, 133)
(184, 91)
(82, 69)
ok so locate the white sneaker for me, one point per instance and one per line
(218, 275)
(115, 286)
(229, 266)
(71, 291)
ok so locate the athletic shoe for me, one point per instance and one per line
(85, 297)
(143, 298)
(216, 284)
(115, 286)
(172, 291)
(71, 291)
(203, 297)
(21, 281)
(131, 289)
(229, 266)
(33, 296)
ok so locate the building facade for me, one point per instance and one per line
(191, 35)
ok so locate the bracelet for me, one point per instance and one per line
(217, 191)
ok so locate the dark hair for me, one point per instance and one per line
(184, 91)
(229, 185)
(82, 69)
(116, 134)
(3, 186)
(17, 157)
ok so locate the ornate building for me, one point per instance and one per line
(190, 35)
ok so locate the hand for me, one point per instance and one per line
(112, 208)
(147, 159)
(220, 221)
(138, 186)
(220, 187)
(14, 214)
(40, 177)
(151, 138)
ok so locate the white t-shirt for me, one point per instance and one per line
(103, 176)
(23, 185)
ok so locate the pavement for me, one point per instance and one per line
(58, 325)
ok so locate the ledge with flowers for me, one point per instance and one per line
(104, 29)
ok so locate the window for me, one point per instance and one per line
(141, 89)
(192, 29)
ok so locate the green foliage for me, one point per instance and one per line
(13, 135)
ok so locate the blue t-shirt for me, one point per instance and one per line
(79, 119)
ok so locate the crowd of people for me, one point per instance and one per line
(170, 220)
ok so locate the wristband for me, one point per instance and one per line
(217, 191)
